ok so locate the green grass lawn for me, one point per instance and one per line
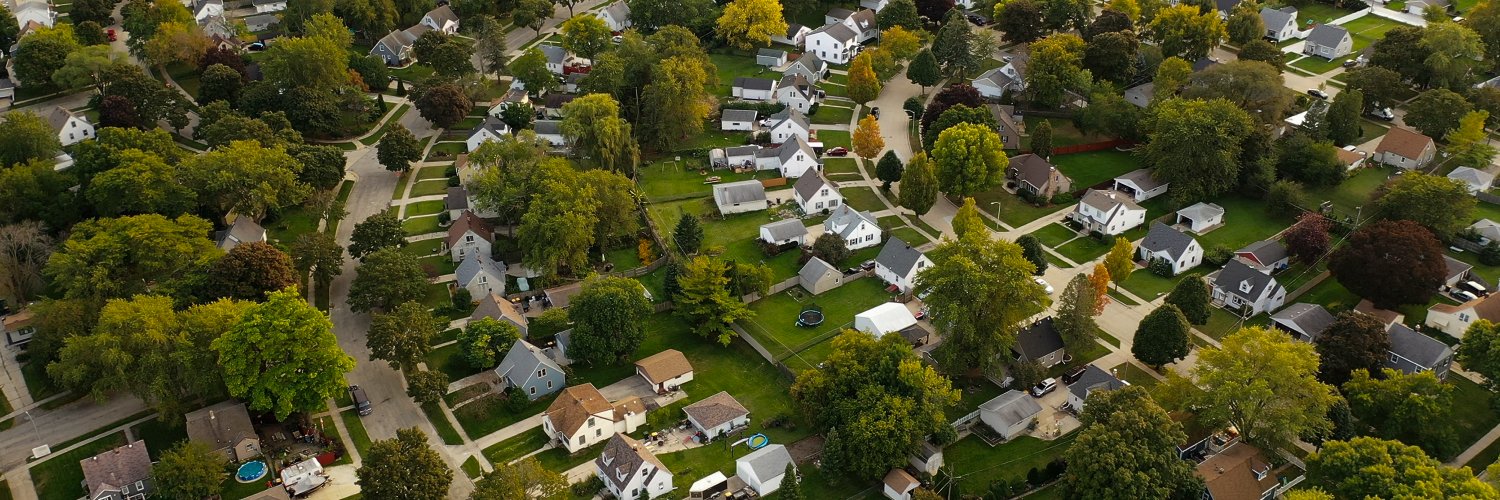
(1246, 221)
(61, 478)
(1082, 250)
(437, 295)
(624, 258)
(441, 264)
(444, 429)
(430, 207)
(894, 228)
(1221, 323)
(1319, 13)
(977, 465)
(834, 138)
(1365, 31)
(425, 173)
(733, 66)
(1147, 285)
(472, 469)
(1063, 132)
(840, 166)
(672, 180)
(516, 447)
(1135, 375)
(37, 382)
(423, 248)
(774, 324)
(862, 198)
(450, 361)
(1331, 295)
(718, 231)
(1089, 169)
(356, 428)
(160, 436)
(292, 222)
(429, 188)
(421, 225)
(395, 119)
(1355, 191)
(1014, 211)
(832, 115)
(1053, 235)
(783, 265)
(1473, 415)
(445, 150)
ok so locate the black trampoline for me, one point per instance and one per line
(811, 315)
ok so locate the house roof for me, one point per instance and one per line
(242, 231)
(547, 127)
(466, 223)
(1349, 157)
(522, 360)
(1012, 407)
(1404, 142)
(1226, 5)
(1039, 339)
(664, 365)
(898, 256)
(808, 61)
(1142, 179)
(396, 41)
(738, 115)
(814, 269)
(785, 229)
(60, 116)
(456, 199)
(770, 53)
(473, 264)
(1487, 228)
(557, 100)
(716, 410)
(793, 28)
(442, 14)
(1487, 308)
(623, 457)
(263, 19)
(864, 18)
(845, 220)
(747, 150)
(792, 115)
(799, 83)
(767, 462)
(1310, 319)
(787, 149)
(1202, 211)
(1456, 268)
(619, 11)
(1327, 35)
(220, 426)
(995, 77)
(1278, 18)
(840, 13)
(739, 192)
(1231, 474)
(808, 185)
(1236, 272)
(491, 123)
(492, 305)
(838, 31)
(900, 481)
(1094, 379)
(1164, 238)
(1265, 252)
(1033, 169)
(1142, 92)
(1477, 180)
(561, 296)
(205, 4)
(1385, 316)
(573, 407)
(555, 54)
(1418, 348)
(116, 468)
(1107, 199)
(746, 82)
(887, 317)
(1206, 62)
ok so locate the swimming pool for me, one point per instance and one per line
(251, 471)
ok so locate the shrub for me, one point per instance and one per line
(515, 400)
(1063, 199)
(1490, 256)
(444, 218)
(1161, 267)
(914, 105)
(451, 171)
(453, 182)
(1218, 255)
(589, 488)
(813, 110)
(462, 300)
(761, 108)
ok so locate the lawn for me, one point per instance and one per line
(356, 428)
(429, 207)
(718, 230)
(774, 324)
(289, 223)
(1063, 132)
(1320, 12)
(444, 429)
(472, 469)
(834, 138)
(733, 66)
(1355, 191)
(429, 188)
(441, 264)
(783, 265)
(160, 436)
(37, 382)
(61, 478)
(1473, 415)
(395, 117)
(1365, 31)
(1221, 323)
(1053, 235)
(450, 361)
(1083, 250)
(437, 295)
(624, 258)
(840, 166)
(421, 225)
(1147, 285)
(1089, 169)
(423, 248)
(444, 150)
(672, 180)
(976, 464)
(1331, 295)
(516, 447)
(894, 228)
(1246, 221)
(862, 198)
(832, 115)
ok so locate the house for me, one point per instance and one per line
(717, 415)
(469, 234)
(394, 48)
(553, 103)
(1009, 125)
(1350, 158)
(834, 43)
(268, 6)
(33, 12)
(1455, 320)
(205, 9)
(814, 194)
(580, 416)
(1178, 249)
(71, 128)
(616, 16)
(784, 232)
(793, 158)
(302, 478)
(1140, 185)
(861, 22)
(1036, 176)
(789, 123)
(1093, 379)
(874, 5)
(898, 264)
(1404, 148)
(480, 275)
(242, 231)
(1281, 24)
(762, 470)
(754, 89)
(739, 197)
(737, 119)
(495, 307)
(456, 202)
(119, 474)
(442, 19)
(795, 35)
(808, 66)
(1304, 321)
(629, 470)
(796, 92)
(817, 276)
(1488, 231)
(550, 131)
(1200, 217)
(1010, 414)
(770, 58)
(1265, 255)
(899, 484)
(1476, 180)
(18, 327)
(1108, 212)
(665, 371)
(995, 83)
(890, 317)
(491, 129)
(1140, 95)
(859, 229)
(530, 369)
(1419, 7)
(1412, 352)
(744, 156)
(263, 22)
(225, 428)
(1240, 286)
(1328, 41)
(556, 57)
(1039, 343)
(1241, 471)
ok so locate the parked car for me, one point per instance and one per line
(110, 33)
(1462, 295)
(1073, 376)
(1475, 287)
(838, 151)
(1383, 114)
(1044, 387)
(978, 21)
(256, 47)
(1045, 286)
(361, 402)
(875, 112)
(617, 39)
(1317, 93)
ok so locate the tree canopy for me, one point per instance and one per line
(1127, 449)
(404, 468)
(1354, 342)
(1367, 467)
(608, 316)
(282, 356)
(983, 287)
(1390, 263)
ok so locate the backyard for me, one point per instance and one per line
(1090, 169)
(774, 324)
(977, 464)
(733, 66)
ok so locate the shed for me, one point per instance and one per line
(784, 232)
(1201, 216)
(818, 276)
(665, 370)
(770, 58)
(899, 484)
(1304, 321)
(762, 470)
(1140, 185)
(717, 415)
(739, 197)
(1010, 414)
(737, 119)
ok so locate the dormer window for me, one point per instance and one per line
(1245, 286)
(469, 238)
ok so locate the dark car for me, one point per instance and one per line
(978, 21)
(839, 151)
(875, 112)
(1074, 375)
(361, 403)
(1317, 93)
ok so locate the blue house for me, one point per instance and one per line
(530, 369)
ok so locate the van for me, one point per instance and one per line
(361, 403)
(1475, 287)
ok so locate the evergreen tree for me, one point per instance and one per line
(1031, 248)
(688, 234)
(791, 485)
(888, 170)
(924, 70)
(1041, 139)
(1343, 117)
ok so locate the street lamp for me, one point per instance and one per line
(35, 432)
(997, 209)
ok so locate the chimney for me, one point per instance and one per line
(1219, 469)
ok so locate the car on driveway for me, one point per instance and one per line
(1045, 286)
(361, 403)
(1383, 114)
(1044, 387)
(1317, 93)
(1073, 376)
(839, 151)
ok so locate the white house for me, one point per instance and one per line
(665, 371)
(814, 194)
(762, 470)
(1140, 185)
(491, 129)
(1200, 216)
(1281, 24)
(717, 415)
(858, 229)
(1328, 41)
(72, 128)
(629, 470)
(783, 232)
(1094, 379)
(556, 57)
(834, 43)
(1455, 320)
(265, 6)
(794, 36)
(394, 48)
(796, 92)
(480, 275)
(616, 15)
(1010, 414)
(1419, 7)
(789, 123)
(1239, 286)
(1476, 180)
(874, 5)
(442, 19)
(1264, 255)
(742, 196)
(469, 234)
(737, 119)
(996, 82)
(754, 89)
(1305, 322)
(1109, 212)
(581, 417)
(550, 131)
(898, 264)
(1175, 247)
(890, 317)
(862, 22)
(792, 159)
(33, 11)
(208, 8)
(899, 484)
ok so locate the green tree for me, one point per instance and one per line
(983, 287)
(531, 69)
(489, 44)
(485, 341)
(1191, 296)
(1020, 21)
(953, 46)
(1343, 117)
(705, 301)
(1403, 406)
(1126, 435)
(319, 255)
(1266, 52)
(1075, 312)
(688, 234)
(10, 31)
(307, 62)
(220, 83)
(1469, 144)
(1194, 145)
(1245, 25)
(1041, 139)
(652, 15)
(250, 270)
(426, 387)
(677, 100)
(968, 222)
(863, 86)
(1162, 337)
(1247, 84)
(1185, 31)
(1120, 260)
(1480, 352)
(398, 149)
(1454, 51)
(1305, 159)
(901, 13)
(1171, 75)
(24, 249)
(1367, 467)
(592, 125)
(969, 159)
(142, 183)
(526, 477)
(1111, 56)
(831, 248)
(85, 67)
(245, 178)
(746, 24)
(1056, 67)
(532, 13)
(36, 191)
(924, 69)
(124, 256)
(376, 232)
(586, 36)
(791, 484)
(24, 136)
(888, 170)
(41, 54)
(1437, 111)
(404, 468)
(919, 186)
(387, 277)
(1440, 204)
(402, 336)
(558, 229)
(445, 104)
(609, 316)
(282, 356)
(189, 471)
(1031, 248)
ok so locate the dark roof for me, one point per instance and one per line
(442, 14)
(555, 54)
(1327, 35)
(494, 306)
(469, 222)
(220, 426)
(814, 269)
(1142, 177)
(1455, 268)
(1235, 272)
(1094, 378)
(556, 101)
(898, 256)
(1418, 348)
(1162, 237)
(116, 468)
(840, 12)
(754, 83)
(547, 127)
(809, 184)
(716, 410)
(1226, 5)
(1310, 319)
(1033, 169)
(457, 199)
(623, 458)
(1204, 63)
(738, 115)
(1265, 251)
(770, 53)
(1039, 339)
(838, 31)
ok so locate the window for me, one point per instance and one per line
(468, 238)
(483, 280)
(591, 422)
(598, 432)
(533, 391)
(549, 384)
(541, 373)
(580, 439)
(1393, 357)
(140, 485)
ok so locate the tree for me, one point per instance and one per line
(586, 36)
(953, 45)
(867, 140)
(24, 136)
(387, 278)
(967, 221)
(652, 15)
(1126, 435)
(245, 178)
(1193, 145)
(124, 256)
(1245, 26)
(85, 66)
(1343, 117)
(1440, 204)
(1437, 111)
(746, 24)
(1480, 352)
(609, 316)
(865, 376)
(1453, 53)
(322, 165)
(955, 115)
(831, 248)
(705, 301)
(220, 83)
(1020, 20)
(592, 125)
(402, 336)
(445, 104)
(888, 170)
(9, 29)
(489, 44)
(1031, 248)
(1380, 86)
(404, 468)
(924, 70)
(531, 69)
(528, 477)
(189, 471)
(41, 54)
(1390, 263)
(426, 387)
(1171, 75)
(1162, 337)
(250, 270)
(791, 484)
(1266, 52)
(919, 188)
(1075, 312)
(901, 13)
(969, 159)
(1404, 406)
(1243, 83)
(282, 356)
(952, 95)
(1305, 159)
(398, 149)
(1367, 467)
(1482, 18)
(688, 234)
(1260, 381)
(1308, 239)
(1111, 56)
(677, 99)
(177, 42)
(485, 341)
(1056, 67)
(532, 13)
(1041, 139)
(559, 227)
(142, 183)
(1469, 144)
(864, 86)
(24, 249)
(317, 63)
(1191, 297)
(1120, 260)
(1185, 31)
(901, 42)
(319, 255)
(36, 191)
(984, 289)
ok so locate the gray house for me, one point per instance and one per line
(395, 48)
(818, 276)
(809, 66)
(530, 369)
(1304, 321)
(1039, 343)
(1329, 42)
(1412, 352)
(1010, 414)
(770, 58)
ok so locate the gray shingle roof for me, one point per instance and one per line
(1226, 5)
(220, 426)
(623, 456)
(619, 11)
(810, 62)
(1327, 35)
(738, 115)
(522, 360)
(1275, 19)
(116, 468)
(739, 192)
(785, 229)
(751, 150)
(1094, 379)
(457, 199)
(1142, 177)
(1455, 267)
(1236, 272)
(1033, 169)
(1487, 228)
(555, 54)
(1012, 407)
(813, 270)
(838, 31)
(547, 127)
(397, 40)
(770, 53)
(473, 264)
(442, 14)
(898, 256)
(1202, 211)
(716, 410)
(59, 117)
(790, 114)
(263, 19)
(746, 82)
(1310, 319)
(799, 83)
(847, 219)
(1418, 348)
(1162, 237)
(995, 77)
(1107, 199)
(768, 462)
(1477, 179)
(1265, 251)
(809, 184)
(1039, 339)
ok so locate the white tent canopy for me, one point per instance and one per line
(885, 318)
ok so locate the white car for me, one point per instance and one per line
(1045, 286)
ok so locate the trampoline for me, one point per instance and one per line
(811, 315)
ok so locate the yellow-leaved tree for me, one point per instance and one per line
(747, 24)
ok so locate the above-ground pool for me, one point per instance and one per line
(250, 471)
